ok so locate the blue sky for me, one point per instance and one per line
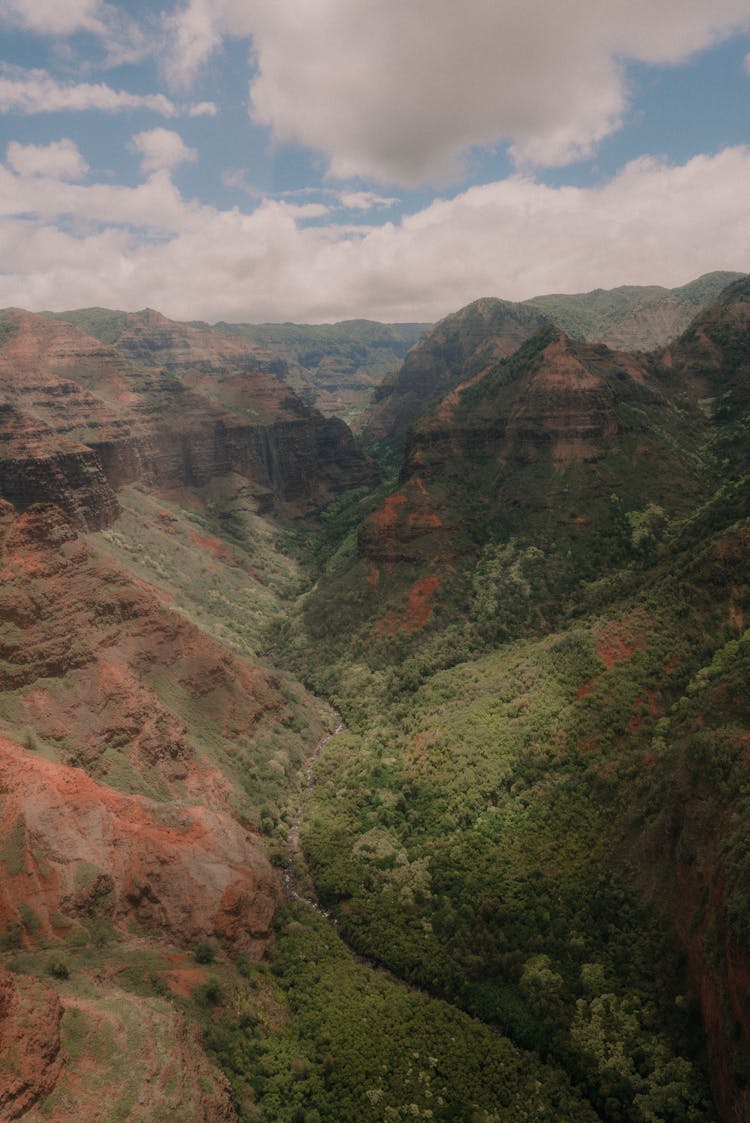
(328, 159)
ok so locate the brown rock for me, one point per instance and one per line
(79, 850)
(31, 1060)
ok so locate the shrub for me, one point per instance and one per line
(210, 994)
(205, 952)
(58, 968)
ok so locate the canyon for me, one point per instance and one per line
(525, 589)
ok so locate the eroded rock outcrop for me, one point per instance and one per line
(94, 662)
(537, 444)
(78, 851)
(176, 408)
(31, 1058)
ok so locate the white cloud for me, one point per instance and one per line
(193, 34)
(162, 149)
(652, 223)
(364, 200)
(36, 91)
(398, 91)
(203, 109)
(50, 17)
(123, 39)
(59, 160)
(154, 209)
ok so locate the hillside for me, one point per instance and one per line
(332, 367)
(628, 318)
(633, 317)
(512, 885)
(538, 640)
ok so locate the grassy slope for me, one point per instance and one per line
(479, 839)
(525, 832)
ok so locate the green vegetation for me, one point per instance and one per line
(602, 314)
(546, 780)
(57, 967)
(532, 836)
(336, 1040)
(467, 844)
(7, 326)
(104, 324)
(12, 853)
(205, 951)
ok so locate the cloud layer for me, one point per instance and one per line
(123, 40)
(35, 91)
(131, 247)
(398, 92)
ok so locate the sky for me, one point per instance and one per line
(320, 160)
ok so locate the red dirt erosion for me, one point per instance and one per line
(77, 850)
(417, 610)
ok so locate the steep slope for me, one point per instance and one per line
(175, 430)
(460, 345)
(78, 853)
(545, 470)
(632, 317)
(628, 318)
(139, 696)
(141, 762)
(63, 1052)
(332, 367)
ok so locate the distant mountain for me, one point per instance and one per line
(460, 346)
(352, 369)
(627, 318)
(332, 367)
(633, 317)
(165, 403)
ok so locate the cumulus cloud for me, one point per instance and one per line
(152, 210)
(50, 17)
(36, 91)
(652, 223)
(162, 150)
(59, 160)
(193, 33)
(397, 92)
(123, 39)
(204, 109)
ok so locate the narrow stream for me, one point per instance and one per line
(296, 887)
(297, 878)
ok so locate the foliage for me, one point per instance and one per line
(58, 968)
(205, 951)
(357, 1046)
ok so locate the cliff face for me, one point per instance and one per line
(78, 851)
(30, 1039)
(80, 419)
(537, 446)
(457, 348)
(38, 466)
(565, 464)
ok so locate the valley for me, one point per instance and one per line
(394, 777)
